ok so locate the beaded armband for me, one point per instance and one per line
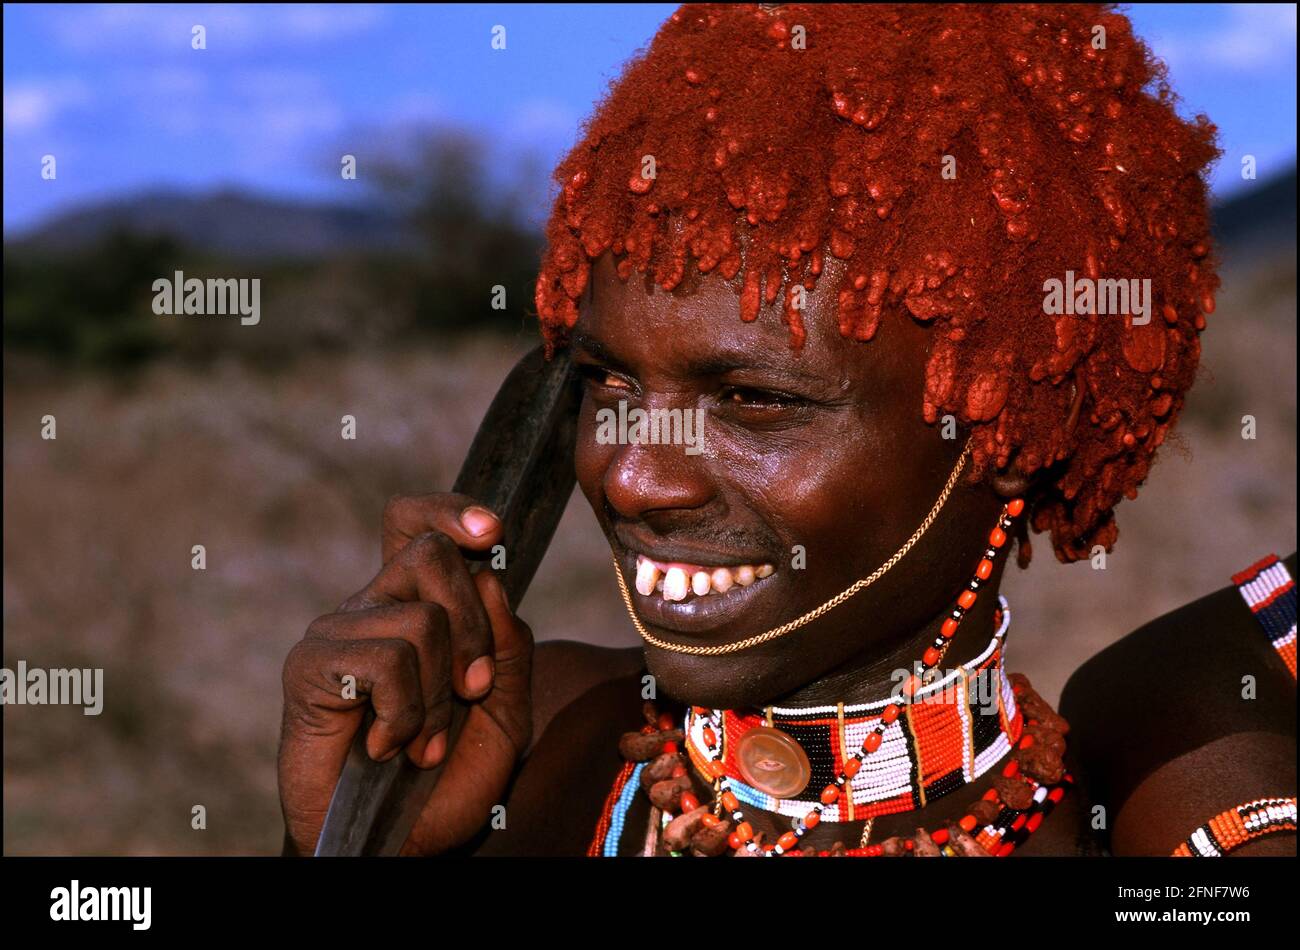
(1229, 830)
(1269, 591)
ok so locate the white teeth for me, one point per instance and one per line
(675, 584)
(646, 576)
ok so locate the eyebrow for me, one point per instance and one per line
(715, 364)
(597, 349)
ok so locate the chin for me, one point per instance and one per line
(717, 682)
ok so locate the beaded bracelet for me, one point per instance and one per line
(1231, 829)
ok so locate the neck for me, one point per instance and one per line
(871, 674)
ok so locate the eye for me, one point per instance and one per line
(599, 376)
(748, 397)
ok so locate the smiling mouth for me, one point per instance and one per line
(677, 581)
(672, 596)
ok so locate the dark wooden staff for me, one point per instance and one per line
(520, 465)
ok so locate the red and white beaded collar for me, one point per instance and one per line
(953, 731)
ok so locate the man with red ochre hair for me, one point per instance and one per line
(833, 232)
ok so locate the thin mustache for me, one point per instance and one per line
(719, 537)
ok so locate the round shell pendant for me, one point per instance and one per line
(773, 762)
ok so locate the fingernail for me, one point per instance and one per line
(479, 675)
(478, 521)
(435, 750)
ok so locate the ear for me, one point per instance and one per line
(1011, 483)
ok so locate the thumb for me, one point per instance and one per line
(512, 641)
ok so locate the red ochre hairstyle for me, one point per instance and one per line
(955, 158)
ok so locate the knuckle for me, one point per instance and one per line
(320, 627)
(434, 547)
(291, 672)
(429, 618)
(301, 669)
(354, 603)
(395, 509)
(396, 657)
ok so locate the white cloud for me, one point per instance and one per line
(1255, 36)
(157, 28)
(31, 106)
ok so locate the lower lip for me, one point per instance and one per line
(695, 615)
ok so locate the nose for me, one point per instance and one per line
(647, 481)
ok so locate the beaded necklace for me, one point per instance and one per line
(1031, 783)
(955, 730)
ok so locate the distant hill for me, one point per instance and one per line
(229, 223)
(239, 224)
(1258, 215)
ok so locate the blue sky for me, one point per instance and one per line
(123, 102)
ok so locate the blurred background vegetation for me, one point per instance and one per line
(417, 262)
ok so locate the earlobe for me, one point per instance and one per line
(1011, 483)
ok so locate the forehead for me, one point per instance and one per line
(638, 321)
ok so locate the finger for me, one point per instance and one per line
(326, 678)
(494, 736)
(313, 747)
(503, 720)
(424, 627)
(388, 673)
(470, 524)
(431, 569)
(392, 678)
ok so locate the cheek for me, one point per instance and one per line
(591, 459)
(846, 495)
(824, 501)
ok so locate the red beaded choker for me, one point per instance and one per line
(955, 730)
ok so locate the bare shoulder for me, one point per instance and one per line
(584, 698)
(1189, 715)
